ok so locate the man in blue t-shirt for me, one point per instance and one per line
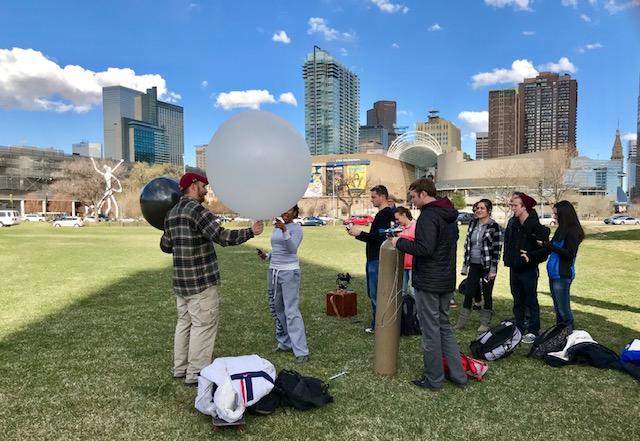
(374, 239)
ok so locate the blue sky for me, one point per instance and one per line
(212, 56)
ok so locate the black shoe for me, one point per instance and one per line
(279, 349)
(191, 384)
(425, 385)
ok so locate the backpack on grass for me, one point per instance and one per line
(409, 324)
(302, 392)
(552, 340)
(472, 367)
(497, 342)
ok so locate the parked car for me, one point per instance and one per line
(464, 218)
(547, 219)
(68, 221)
(626, 220)
(33, 217)
(359, 219)
(90, 219)
(610, 219)
(9, 217)
(312, 221)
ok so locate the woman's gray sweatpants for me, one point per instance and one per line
(283, 287)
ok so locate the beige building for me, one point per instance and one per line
(444, 131)
(337, 180)
(201, 156)
(482, 146)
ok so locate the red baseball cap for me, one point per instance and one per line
(189, 178)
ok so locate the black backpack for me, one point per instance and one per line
(553, 339)
(302, 392)
(409, 324)
(267, 404)
(497, 342)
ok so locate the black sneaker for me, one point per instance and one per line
(422, 383)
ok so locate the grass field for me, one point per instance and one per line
(86, 334)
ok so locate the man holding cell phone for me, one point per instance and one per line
(374, 239)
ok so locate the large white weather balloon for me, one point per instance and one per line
(258, 164)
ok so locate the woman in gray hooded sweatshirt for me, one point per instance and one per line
(283, 285)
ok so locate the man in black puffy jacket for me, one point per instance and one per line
(434, 280)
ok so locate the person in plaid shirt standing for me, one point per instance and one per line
(189, 233)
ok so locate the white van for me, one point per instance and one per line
(9, 217)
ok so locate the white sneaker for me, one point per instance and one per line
(369, 330)
(529, 338)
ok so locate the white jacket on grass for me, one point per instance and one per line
(251, 377)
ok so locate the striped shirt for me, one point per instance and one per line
(189, 233)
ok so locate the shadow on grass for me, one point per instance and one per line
(100, 369)
(587, 301)
(629, 234)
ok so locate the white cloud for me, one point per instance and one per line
(318, 25)
(395, 46)
(571, 3)
(435, 27)
(251, 99)
(590, 47)
(405, 112)
(390, 8)
(288, 98)
(520, 69)
(475, 121)
(615, 6)
(31, 81)
(519, 5)
(344, 52)
(528, 33)
(629, 136)
(204, 84)
(173, 97)
(282, 37)
(563, 65)
(585, 17)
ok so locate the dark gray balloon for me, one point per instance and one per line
(157, 198)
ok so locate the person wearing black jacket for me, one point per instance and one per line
(561, 263)
(434, 281)
(522, 254)
(374, 239)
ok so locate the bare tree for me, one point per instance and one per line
(555, 181)
(505, 185)
(347, 191)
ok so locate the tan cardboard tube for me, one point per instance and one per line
(389, 302)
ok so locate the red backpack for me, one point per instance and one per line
(474, 368)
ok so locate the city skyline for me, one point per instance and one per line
(218, 59)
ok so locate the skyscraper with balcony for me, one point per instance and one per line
(547, 116)
(331, 105)
(138, 127)
(503, 123)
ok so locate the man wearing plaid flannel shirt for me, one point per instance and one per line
(189, 233)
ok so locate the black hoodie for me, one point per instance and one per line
(434, 248)
(524, 236)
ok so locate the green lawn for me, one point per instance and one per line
(86, 332)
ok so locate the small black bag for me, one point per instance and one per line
(302, 392)
(267, 404)
(409, 324)
(553, 339)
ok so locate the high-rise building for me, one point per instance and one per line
(331, 105)
(547, 116)
(138, 127)
(89, 149)
(201, 156)
(634, 190)
(444, 131)
(383, 114)
(373, 138)
(633, 181)
(503, 123)
(616, 150)
(482, 145)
